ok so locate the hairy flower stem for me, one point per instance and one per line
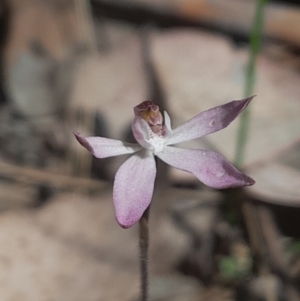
(255, 39)
(144, 248)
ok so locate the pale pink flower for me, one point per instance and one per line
(134, 180)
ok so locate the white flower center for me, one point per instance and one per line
(158, 143)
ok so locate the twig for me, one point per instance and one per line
(275, 252)
(85, 23)
(35, 176)
(232, 17)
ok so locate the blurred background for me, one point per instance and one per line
(83, 65)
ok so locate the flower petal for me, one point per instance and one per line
(168, 124)
(209, 121)
(133, 188)
(141, 131)
(208, 166)
(104, 147)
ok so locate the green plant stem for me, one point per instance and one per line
(255, 41)
(144, 248)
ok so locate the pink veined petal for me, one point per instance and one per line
(102, 147)
(208, 166)
(209, 121)
(141, 131)
(133, 188)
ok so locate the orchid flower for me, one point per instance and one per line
(134, 180)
